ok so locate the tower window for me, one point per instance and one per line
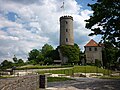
(66, 39)
(66, 30)
(66, 22)
(90, 49)
(95, 49)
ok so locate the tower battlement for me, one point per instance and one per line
(66, 17)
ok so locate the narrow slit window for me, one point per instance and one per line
(66, 39)
(66, 30)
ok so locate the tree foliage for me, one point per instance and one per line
(43, 56)
(46, 49)
(33, 54)
(20, 62)
(15, 59)
(6, 64)
(110, 55)
(106, 15)
(72, 52)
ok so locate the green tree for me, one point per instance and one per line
(106, 16)
(110, 55)
(72, 52)
(54, 54)
(6, 64)
(46, 49)
(20, 62)
(15, 59)
(33, 54)
(48, 61)
(40, 58)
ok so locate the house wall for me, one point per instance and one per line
(93, 54)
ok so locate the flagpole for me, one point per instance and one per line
(63, 9)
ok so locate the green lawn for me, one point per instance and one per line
(56, 79)
(7, 76)
(90, 69)
(78, 69)
(41, 67)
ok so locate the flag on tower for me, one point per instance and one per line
(62, 5)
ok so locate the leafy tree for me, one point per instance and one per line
(110, 55)
(46, 49)
(33, 54)
(54, 54)
(106, 15)
(6, 64)
(15, 59)
(33, 62)
(48, 61)
(72, 52)
(47, 52)
(40, 58)
(98, 63)
(20, 62)
(44, 56)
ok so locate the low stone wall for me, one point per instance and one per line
(20, 83)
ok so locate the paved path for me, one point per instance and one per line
(85, 84)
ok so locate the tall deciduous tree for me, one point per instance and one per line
(20, 62)
(46, 49)
(6, 64)
(110, 55)
(15, 59)
(106, 16)
(33, 54)
(71, 52)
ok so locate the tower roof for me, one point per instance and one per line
(91, 43)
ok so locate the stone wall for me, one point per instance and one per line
(92, 55)
(20, 83)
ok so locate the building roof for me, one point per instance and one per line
(91, 43)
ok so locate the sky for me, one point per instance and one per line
(29, 24)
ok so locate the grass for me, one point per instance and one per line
(90, 69)
(78, 69)
(6, 76)
(56, 79)
(41, 67)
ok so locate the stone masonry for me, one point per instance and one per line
(20, 83)
(66, 30)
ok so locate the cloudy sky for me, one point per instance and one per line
(29, 24)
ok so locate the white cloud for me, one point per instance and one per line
(5, 23)
(37, 23)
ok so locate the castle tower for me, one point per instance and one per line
(66, 30)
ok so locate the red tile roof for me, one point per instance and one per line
(91, 43)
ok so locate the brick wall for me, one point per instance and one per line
(20, 83)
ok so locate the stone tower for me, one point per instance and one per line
(66, 30)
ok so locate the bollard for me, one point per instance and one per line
(42, 81)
